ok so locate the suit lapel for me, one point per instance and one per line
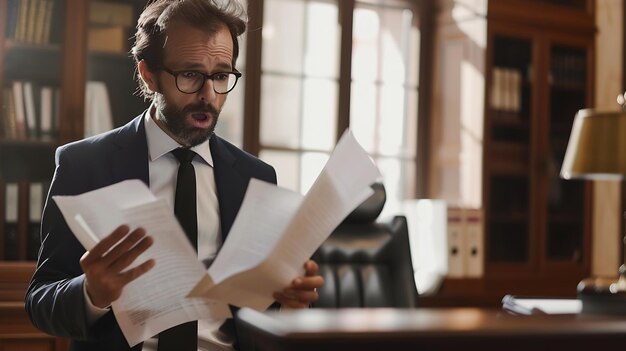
(130, 159)
(230, 184)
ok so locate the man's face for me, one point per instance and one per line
(191, 118)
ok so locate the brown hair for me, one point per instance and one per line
(207, 15)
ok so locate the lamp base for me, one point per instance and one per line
(604, 295)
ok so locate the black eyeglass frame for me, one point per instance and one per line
(205, 77)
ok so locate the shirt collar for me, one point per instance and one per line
(159, 143)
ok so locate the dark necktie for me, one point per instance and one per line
(184, 337)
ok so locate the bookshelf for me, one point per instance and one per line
(537, 224)
(531, 67)
(49, 50)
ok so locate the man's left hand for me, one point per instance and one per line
(303, 290)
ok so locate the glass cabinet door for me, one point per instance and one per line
(508, 170)
(566, 198)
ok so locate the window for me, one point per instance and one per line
(299, 88)
(326, 65)
(384, 93)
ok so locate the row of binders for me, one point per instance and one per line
(465, 243)
(23, 205)
(31, 111)
(31, 21)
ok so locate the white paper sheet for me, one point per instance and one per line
(277, 230)
(526, 305)
(157, 300)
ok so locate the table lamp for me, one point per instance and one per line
(597, 151)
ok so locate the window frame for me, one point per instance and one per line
(252, 98)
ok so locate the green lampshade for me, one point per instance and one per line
(597, 146)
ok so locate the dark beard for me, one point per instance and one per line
(174, 120)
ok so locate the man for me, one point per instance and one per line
(185, 53)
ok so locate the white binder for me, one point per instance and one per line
(474, 247)
(456, 243)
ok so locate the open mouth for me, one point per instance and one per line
(200, 116)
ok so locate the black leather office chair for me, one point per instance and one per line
(367, 263)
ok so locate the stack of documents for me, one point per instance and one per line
(274, 234)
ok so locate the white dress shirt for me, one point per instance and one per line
(163, 169)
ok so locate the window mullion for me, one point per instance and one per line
(346, 17)
(252, 106)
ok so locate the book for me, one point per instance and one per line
(47, 22)
(56, 111)
(456, 243)
(12, 16)
(56, 24)
(108, 39)
(30, 109)
(11, 227)
(9, 127)
(39, 19)
(20, 113)
(496, 89)
(98, 116)
(474, 243)
(111, 13)
(47, 98)
(31, 15)
(20, 32)
(36, 195)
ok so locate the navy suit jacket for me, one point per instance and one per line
(54, 299)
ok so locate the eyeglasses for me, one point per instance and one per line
(190, 82)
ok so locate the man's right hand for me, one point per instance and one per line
(104, 265)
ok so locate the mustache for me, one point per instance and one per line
(201, 108)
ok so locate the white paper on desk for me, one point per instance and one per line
(277, 230)
(537, 305)
(157, 300)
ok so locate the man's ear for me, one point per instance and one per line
(147, 76)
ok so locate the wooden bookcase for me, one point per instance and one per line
(532, 65)
(62, 60)
(537, 223)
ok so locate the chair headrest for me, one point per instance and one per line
(369, 209)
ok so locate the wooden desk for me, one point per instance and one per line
(423, 329)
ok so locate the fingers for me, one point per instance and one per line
(295, 298)
(117, 255)
(289, 302)
(303, 290)
(311, 268)
(128, 250)
(308, 283)
(132, 274)
(104, 265)
(105, 244)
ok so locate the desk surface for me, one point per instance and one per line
(427, 329)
